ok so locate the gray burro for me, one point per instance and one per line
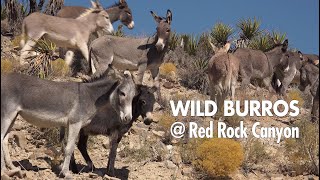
(42, 103)
(132, 53)
(76, 36)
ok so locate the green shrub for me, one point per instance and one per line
(219, 156)
(250, 28)
(220, 33)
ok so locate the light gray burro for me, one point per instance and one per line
(223, 69)
(64, 32)
(126, 53)
(47, 104)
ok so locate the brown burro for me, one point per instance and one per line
(48, 104)
(223, 70)
(259, 65)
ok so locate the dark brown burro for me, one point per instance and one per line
(106, 122)
(309, 76)
(259, 65)
(48, 104)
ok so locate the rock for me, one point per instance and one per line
(106, 177)
(29, 175)
(170, 165)
(168, 85)
(176, 158)
(93, 175)
(186, 171)
(4, 176)
(20, 139)
(159, 133)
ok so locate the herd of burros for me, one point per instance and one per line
(109, 102)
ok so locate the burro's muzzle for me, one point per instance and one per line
(160, 44)
(109, 29)
(126, 114)
(148, 119)
(131, 25)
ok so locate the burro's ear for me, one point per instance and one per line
(213, 47)
(122, 1)
(96, 5)
(285, 45)
(169, 16)
(226, 47)
(156, 17)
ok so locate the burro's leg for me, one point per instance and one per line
(26, 50)
(83, 47)
(82, 146)
(156, 81)
(73, 132)
(113, 152)
(141, 69)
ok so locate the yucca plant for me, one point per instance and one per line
(119, 31)
(220, 33)
(40, 65)
(278, 37)
(191, 43)
(250, 28)
(174, 40)
(262, 42)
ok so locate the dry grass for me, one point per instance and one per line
(167, 70)
(60, 68)
(9, 65)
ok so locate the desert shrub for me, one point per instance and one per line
(278, 37)
(233, 121)
(255, 153)
(60, 68)
(220, 33)
(262, 42)
(190, 43)
(174, 40)
(40, 65)
(219, 156)
(303, 152)
(6, 66)
(296, 94)
(187, 150)
(194, 74)
(250, 28)
(165, 122)
(16, 41)
(166, 69)
(119, 32)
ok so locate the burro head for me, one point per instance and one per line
(163, 29)
(145, 102)
(103, 20)
(123, 96)
(126, 17)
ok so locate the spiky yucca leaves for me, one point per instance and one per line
(174, 40)
(220, 33)
(191, 43)
(250, 28)
(262, 42)
(119, 31)
(278, 37)
(40, 65)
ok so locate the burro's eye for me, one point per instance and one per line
(107, 17)
(122, 93)
(143, 102)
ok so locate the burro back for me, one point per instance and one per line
(64, 32)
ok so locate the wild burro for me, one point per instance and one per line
(131, 53)
(259, 65)
(288, 71)
(64, 32)
(119, 11)
(309, 76)
(49, 104)
(106, 122)
(223, 69)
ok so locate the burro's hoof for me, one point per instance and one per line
(66, 175)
